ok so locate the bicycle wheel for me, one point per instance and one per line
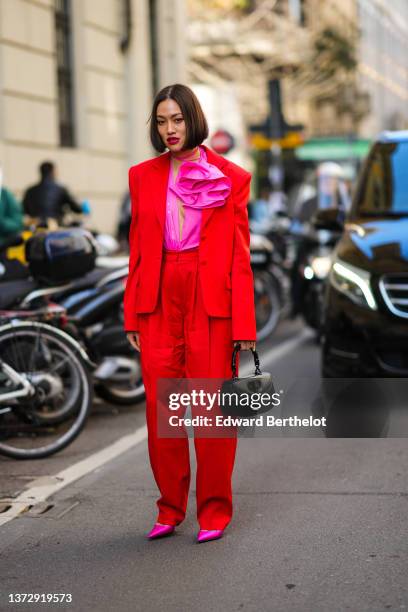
(43, 423)
(267, 304)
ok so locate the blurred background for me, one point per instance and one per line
(285, 84)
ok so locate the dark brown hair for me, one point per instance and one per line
(194, 118)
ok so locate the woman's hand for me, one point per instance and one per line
(246, 345)
(134, 340)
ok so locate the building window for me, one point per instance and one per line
(64, 72)
(154, 52)
(126, 25)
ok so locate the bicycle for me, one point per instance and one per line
(45, 385)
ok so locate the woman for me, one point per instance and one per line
(189, 295)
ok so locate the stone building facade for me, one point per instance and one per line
(77, 78)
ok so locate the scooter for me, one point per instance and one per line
(310, 271)
(315, 244)
(271, 285)
(95, 317)
(94, 307)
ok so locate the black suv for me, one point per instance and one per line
(366, 305)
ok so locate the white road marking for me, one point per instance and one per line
(44, 487)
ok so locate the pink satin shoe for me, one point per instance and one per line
(159, 531)
(205, 535)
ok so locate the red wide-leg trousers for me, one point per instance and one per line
(179, 340)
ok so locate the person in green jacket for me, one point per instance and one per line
(11, 215)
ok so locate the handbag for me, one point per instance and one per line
(259, 383)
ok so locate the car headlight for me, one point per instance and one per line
(353, 282)
(320, 266)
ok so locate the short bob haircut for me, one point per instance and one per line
(194, 118)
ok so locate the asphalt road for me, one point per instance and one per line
(319, 524)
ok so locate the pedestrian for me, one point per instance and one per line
(47, 199)
(11, 214)
(189, 296)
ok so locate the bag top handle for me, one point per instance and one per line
(236, 350)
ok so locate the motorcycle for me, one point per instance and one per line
(95, 317)
(45, 386)
(271, 285)
(315, 245)
(310, 272)
(94, 311)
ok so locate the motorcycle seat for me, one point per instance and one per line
(12, 292)
(85, 282)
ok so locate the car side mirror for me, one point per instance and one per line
(331, 219)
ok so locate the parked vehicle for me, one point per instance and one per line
(13, 258)
(45, 386)
(123, 222)
(271, 285)
(314, 245)
(366, 306)
(309, 276)
(94, 310)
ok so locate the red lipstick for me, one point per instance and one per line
(173, 140)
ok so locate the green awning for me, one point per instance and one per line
(333, 149)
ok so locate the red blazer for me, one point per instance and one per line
(224, 258)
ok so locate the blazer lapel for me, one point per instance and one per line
(159, 183)
(214, 158)
(160, 176)
(220, 162)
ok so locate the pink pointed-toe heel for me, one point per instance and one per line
(205, 535)
(159, 531)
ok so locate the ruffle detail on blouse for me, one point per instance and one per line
(201, 185)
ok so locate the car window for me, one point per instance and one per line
(384, 186)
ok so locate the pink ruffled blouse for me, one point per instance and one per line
(198, 185)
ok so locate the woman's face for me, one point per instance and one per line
(170, 124)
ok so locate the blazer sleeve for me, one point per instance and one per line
(129, 300)
(242, 280)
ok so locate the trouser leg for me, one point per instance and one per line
(162, 356)
(208, 355)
